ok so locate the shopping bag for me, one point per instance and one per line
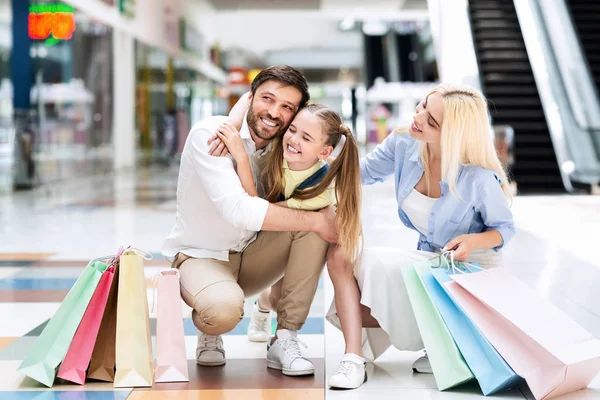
(542, 344)
(449, 367)
(102, 364)
(51, 346)
(133, 348)
(171, 360)
(491, 371)
(77, 359)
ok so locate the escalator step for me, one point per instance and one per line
(535, 183)
(537, 152)
(500, 45)
(514, 90)
(517, 115)
(492, 14)
(495, 24)
(503, 77)
(593, 57)
(589, 16)
(499, 34)
(592, 35)
(534, 127)
(503, 55)
(490, 5)
(529, 165)
(525, 138)
(508, 66)
(587, 25)
(582, 9)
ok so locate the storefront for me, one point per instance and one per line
(82, 116)
(65, 131)
(171, 96)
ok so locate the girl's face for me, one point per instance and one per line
(428, 119)
(304, 142)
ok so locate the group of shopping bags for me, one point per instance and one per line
(101, 330)
(489, 326)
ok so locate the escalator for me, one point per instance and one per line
(508, 82)
(585, 15)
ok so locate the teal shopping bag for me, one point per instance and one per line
(51, 346)
(448, 365)
(488, 366)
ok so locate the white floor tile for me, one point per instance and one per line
(16, 319)
(390, 393)
(9, 272)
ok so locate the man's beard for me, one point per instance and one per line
(263, 133)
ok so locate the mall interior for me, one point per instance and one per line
(97, 98)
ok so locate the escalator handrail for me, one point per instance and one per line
(592, 131)
(571, 149)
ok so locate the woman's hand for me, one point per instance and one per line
(462, 246)
(232, 139)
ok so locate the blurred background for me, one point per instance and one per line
(92, 87)
(97, 98)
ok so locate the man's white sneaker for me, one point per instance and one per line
(285, 355)
(210, 351)
(259, 329)
(422, 365)
(351, 373)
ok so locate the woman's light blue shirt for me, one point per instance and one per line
(479, 206)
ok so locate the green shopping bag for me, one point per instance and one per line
(449, 367)
(50, 348)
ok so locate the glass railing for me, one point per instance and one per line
(565, 87)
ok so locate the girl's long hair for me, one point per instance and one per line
(344, 170)
(466, 138)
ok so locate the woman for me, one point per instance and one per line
(452, 189)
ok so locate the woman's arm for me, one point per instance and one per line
(496, 215)
(381, 162)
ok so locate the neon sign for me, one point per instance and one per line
(51, 21)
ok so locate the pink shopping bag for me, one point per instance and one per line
(77, 359)
(542, 344)
(171, 361)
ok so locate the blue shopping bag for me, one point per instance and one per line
(490, 369)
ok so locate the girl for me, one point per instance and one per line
(297, 175)
(451, 189)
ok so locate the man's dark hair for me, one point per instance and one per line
(286, 75)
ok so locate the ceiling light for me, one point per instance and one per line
(375, 28)
(348, 24)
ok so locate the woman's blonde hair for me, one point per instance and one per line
(345, 170)
(465, 136)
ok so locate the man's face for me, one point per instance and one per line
(272, 109)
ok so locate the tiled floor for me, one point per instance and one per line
(49, 234)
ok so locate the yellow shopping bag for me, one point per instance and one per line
(133, 347)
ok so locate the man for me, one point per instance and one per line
(221, 258)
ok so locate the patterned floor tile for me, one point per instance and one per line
(24, 256)
(227, 394)
(65, 395)
(6, 341)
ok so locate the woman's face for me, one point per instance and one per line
(428, 119)
(304, 141)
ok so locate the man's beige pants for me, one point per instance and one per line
(216, 289)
